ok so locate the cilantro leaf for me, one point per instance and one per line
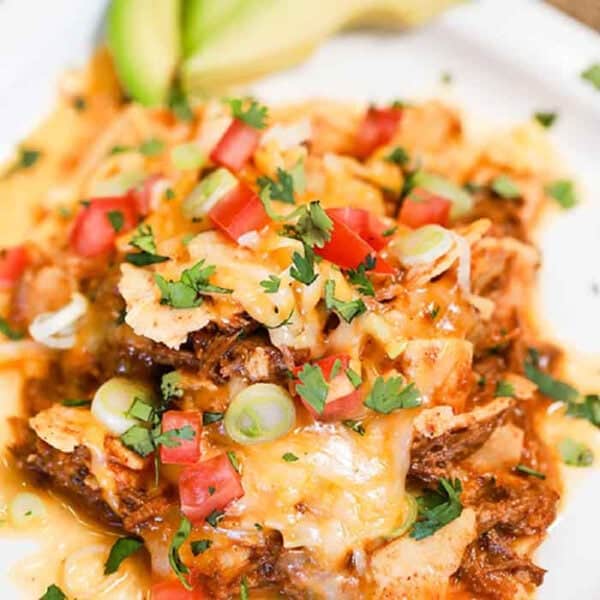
(169, 386)
(399, 156)
(116, 219)
(505, 187)
(244, 593)
(255, 115)
(121, 549)
(75, 402)
(26, 159)
(504, 389)
(303, 269)
(358, 277)
(437, 508)
(143, 239)
(547, 385)
(233, 459)
(575, 453)
(171, 438)
(356, 426)
(141, 410)
(211, 417)
(563, 191)
(389, 395)
(282, 190)
(271, 285)
(139, 439)
(529, 471)
(347, 310)
(215, 517)
(152, 147)
(314, 226)
(177, 565)
(53, 592)
(200, 546)
(545, 119)
(9, 332)
(290, 457)
(313, 388)
(592, 74)
(143, 259)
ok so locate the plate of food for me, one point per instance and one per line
(293, 318)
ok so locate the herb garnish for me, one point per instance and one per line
(529, 471)
(313, 388)
(563, 191)
(437, 508)
(121, 549)
(588, 409)
(27, 158)
(75, 402)
(358, 277)
(356, 426)
(233, 459)
(335, 369)
(290, 457)
(592, 74)
(200, 546)
(215, 517)
(346, 310)
(271, 285)
(575, 453)
(169, 386)
(399, 156)
(177, 565)
(281, 190)
(505, 187)
(116, 219)
(152, 147)
(354, 378)
(389, 395)
(548, 386)
(212, 417)
(179, 105)
(53, 592)
(303, 269)
(545, 119)
(187, 292)
(255, 115)
(504, 389)
(244, 594)
(9, 332)
(144, 241)
(79, 103)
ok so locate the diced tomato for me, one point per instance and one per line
(236, 145)
(13, 262)
(347, 249)
(188, 451)
(239, 212)
(377, 129)
(93, 233)
(143, 195)
(364, 223)
(207, 486)
(340, 407)
(422, 208)
(174, 590)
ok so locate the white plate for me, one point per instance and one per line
(507, 59)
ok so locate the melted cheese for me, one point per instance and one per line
(343, 490)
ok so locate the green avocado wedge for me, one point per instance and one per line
(145, 40)
(203, 19)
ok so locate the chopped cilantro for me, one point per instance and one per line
(545, 119)
(398, 156)
(271, 285)
(592, 75)
(179, 105)
(505, 187)
(354, 378)
(358, 277)
(53, 592)
(75, 402)
(356, 426)
(433, 310)
(116, 219)
(282, 189)
(26, 159)
(215, 517)
(298, 177)
(200, 546)
(171, 438)
(141, 410)
(169, 194)
(563, 191)
(169, 386)
(121, 549)
(529, 471)
(211, 490)
(143, 239)
(255, 115)
(314, 226)
(575, 453)
(139, 439)
(504, 389)
(152, 147)
(211, 417)
(335, 369)
(143, 259)
(79, 103)
(389, 232)
(233, 459)
(313, 388)
(303, 269)
(119, 149)
(347, 310)
(8, 331)
(389, 395)
(437, 508)
(244, 594)
(548, 386)
(290, 457)
(177, 565)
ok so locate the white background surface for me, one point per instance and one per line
(508, 58)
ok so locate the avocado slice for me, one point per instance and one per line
(202, 19)
(144, 38)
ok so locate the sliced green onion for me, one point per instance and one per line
(26, 509)
(113, 400)
(424, 245)
(409, 516)
(207, 193)
(462, 201)
(117, 185)
(187, 156)
(260, 413)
